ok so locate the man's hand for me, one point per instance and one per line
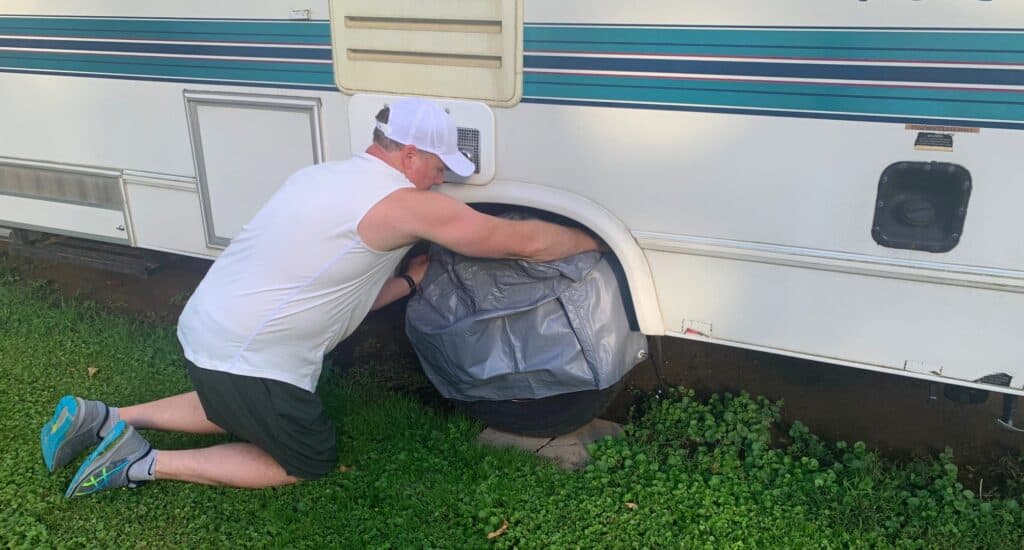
(396, 287)
(418, 268)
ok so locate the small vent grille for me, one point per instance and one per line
(60, 186)
(469, 144)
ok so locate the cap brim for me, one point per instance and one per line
(458, 163)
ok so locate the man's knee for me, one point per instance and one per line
(311, 470)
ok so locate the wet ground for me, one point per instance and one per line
(891, 413)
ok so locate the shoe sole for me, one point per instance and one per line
(54, 432)
(111, 442)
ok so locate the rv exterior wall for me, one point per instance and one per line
(729, 151)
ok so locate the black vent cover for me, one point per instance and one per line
(921, 206)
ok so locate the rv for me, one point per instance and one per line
(835, 180)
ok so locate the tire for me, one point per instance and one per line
(544, 417)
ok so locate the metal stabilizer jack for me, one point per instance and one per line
(1009, 410)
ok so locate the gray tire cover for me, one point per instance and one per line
(507, 329)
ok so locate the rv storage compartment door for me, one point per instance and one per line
(245, 146)
(165, 213)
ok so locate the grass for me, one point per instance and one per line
(689, 473)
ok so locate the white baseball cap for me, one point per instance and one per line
(426, 125)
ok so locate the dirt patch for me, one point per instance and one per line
(161, 295)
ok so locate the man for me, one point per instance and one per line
(298, 279)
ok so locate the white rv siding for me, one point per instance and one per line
(730, 152)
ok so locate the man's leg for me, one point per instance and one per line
(178, 413)
(231, 464)
(236, 464)
(124, 458)
(79, 424)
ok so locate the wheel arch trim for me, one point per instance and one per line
(591, 215)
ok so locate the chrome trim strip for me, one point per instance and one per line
(68, 233)
(841, 262)
(73, 168)
(141, 175)
(148, 179)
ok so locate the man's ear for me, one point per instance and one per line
(409, 151)
(406, 155)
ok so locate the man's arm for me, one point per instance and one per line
(409, 215)
(394, 288)
(397, 288)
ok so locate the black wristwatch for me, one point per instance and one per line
(410, 282)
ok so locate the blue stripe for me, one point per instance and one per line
(1011, 77)
(73, 60)
(878, 92)
(841, 101)
(297, 32)
(178, 49)
(322, 87)
(645, 91)
(207, 69)
(977, 47)
(263, 39)
(777, 113)
(790, 52)
(645, 26)
(89, 58)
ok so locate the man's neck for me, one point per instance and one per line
(391, 159)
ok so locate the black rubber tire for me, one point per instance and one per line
(544, 417)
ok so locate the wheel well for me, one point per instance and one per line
(496, 209)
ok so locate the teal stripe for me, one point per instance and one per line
(951, 46)
(274, 32)
(802, 53)
(793, 88)
(848, 99)
(206, 69)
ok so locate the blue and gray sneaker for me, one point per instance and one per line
(107, 466)
(75, 427)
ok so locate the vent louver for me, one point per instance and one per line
(96, 188)
(441, 48)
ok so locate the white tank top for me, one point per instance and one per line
(297, 279)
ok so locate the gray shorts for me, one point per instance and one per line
(286, 421)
